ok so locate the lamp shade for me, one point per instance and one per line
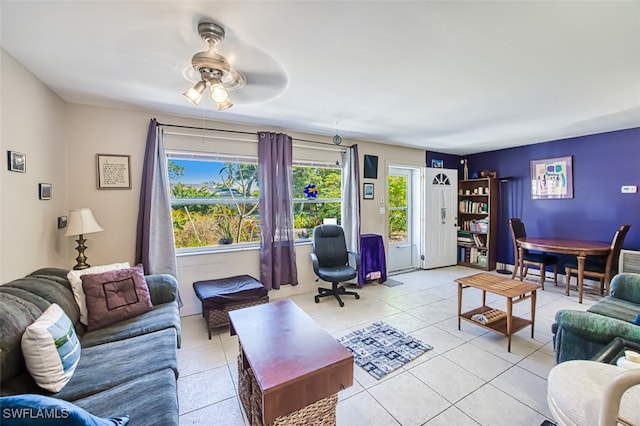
(81, 221)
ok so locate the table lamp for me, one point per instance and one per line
(81, 221)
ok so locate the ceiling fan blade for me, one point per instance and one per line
(275, 80)
(260, 87)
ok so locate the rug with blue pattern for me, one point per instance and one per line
(379, 348)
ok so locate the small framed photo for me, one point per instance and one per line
(45, 191)
(367, 191)
(113, 171)
(437, 164)
(17, 161)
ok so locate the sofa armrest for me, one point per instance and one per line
(581, 335)
(56, 272)
(626, 286)
(163, 288)
(595, 327)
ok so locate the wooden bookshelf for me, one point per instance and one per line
(478, 207)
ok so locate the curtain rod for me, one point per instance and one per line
(243, 133)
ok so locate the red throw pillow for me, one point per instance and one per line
(115, 295)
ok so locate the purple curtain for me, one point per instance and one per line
(155, 247)
(277, 249)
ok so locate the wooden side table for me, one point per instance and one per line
(515, 292)
(288, 365)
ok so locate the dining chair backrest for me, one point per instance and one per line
(614, 254)
(517, 231)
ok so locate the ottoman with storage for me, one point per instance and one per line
(222, 295)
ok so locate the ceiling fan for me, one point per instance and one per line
(214, 70)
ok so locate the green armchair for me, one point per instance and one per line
(581, 335)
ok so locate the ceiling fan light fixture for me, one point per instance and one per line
(224, 105)
(194, 94)
(218, 93)
(214, 70)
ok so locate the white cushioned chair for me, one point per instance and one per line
(593, 393)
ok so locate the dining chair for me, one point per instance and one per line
(601, 267)
(538, 260)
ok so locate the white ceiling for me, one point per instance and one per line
(449, 76)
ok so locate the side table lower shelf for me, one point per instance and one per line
(498, 326)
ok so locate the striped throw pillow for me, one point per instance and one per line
(51, 349)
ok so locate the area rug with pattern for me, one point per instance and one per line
(379, 348)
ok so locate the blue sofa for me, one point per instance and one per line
(127, 368)
(581, 335)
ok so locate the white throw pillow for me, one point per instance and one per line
(76, 284)
(51, 349)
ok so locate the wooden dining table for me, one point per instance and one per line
(580, 248)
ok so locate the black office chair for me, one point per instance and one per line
(331, 261)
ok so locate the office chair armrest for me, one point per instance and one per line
(316, 264)
(356, 256)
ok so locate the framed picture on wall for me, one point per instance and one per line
(44, 191)
(552, 178)
(17, 161)
(113, 171)
(370, 166)
(367, 191)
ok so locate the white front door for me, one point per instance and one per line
(400, 213)
(441, 214)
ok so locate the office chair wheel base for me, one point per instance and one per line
(357, 296)
(317, 299)
(341, 304)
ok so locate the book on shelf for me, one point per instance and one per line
(468, 206)
(480, 240)
(465, 237)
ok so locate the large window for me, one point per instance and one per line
(316, 197)
(214, 199)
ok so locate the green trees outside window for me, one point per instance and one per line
(398, 213)
(307, 212)
(215, 202)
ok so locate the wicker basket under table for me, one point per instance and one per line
(220, 318)
(222, 295)
(320, 413)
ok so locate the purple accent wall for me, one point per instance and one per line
(450, 161)
(602, 163)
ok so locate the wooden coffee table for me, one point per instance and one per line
(499, 322)
(296, 367)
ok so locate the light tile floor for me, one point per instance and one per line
(468, 378)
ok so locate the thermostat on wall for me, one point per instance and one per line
(629, 189)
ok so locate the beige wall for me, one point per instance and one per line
(32, 122)
(61, 141)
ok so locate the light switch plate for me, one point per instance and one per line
(382, 210)
(629, 189)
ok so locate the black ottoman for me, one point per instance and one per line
(226, 294)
